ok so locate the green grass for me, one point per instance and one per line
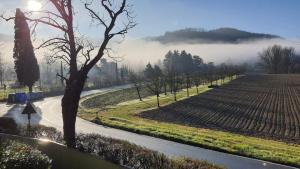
(125, 116)
(112, 98)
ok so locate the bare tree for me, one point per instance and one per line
(177, 80)
(223, 71)
(197, 71)
(277, 59)
(172, 69)
(136, 80)
(210, 72)
(70, 48)
(153, 80)
(186, 67)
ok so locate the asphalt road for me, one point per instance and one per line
(49, 114)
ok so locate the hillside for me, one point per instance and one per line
(221, 35)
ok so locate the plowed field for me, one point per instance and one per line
(260, 105)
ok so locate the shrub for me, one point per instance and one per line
(14, 155)
(8, 125)
(119, 152)
(40, 131)
(133, 156)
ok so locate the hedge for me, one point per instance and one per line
(15, 155)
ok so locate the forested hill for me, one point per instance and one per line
(221, 35)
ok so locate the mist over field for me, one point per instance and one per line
(138, 52)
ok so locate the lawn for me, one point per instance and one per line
(113, 98)
(125, 116)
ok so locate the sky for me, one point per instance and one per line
(155, 17)
(280, 17)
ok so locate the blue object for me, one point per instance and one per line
(35, 96)
(20, 97)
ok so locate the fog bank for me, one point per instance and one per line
(141, 51)
(138, 52)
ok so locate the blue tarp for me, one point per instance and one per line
(20, 97)
(23, 97)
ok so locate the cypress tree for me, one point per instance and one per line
(26, 65)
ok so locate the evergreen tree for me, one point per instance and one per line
(26, 65)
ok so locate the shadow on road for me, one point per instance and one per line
(15, 112)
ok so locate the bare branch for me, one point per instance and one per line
(87, 56)
(94, 15)
(53, 41)
(49, 22)
(108, 9)
(48, 13)
(61, 76)
(108, 34)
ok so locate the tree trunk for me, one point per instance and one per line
(1, 78)
(175, 98)
(157, 97)
(30, 88)
(138, 91)
(187, 91)
(187, 86)
(70, 102)
(171, 85)
(197, 89)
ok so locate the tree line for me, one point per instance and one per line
(277, 59)
(181, 70)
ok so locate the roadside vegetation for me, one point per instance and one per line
(126, 115)
(16, 155)
(133, 156)
(119, 152)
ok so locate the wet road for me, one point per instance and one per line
(49, 114)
